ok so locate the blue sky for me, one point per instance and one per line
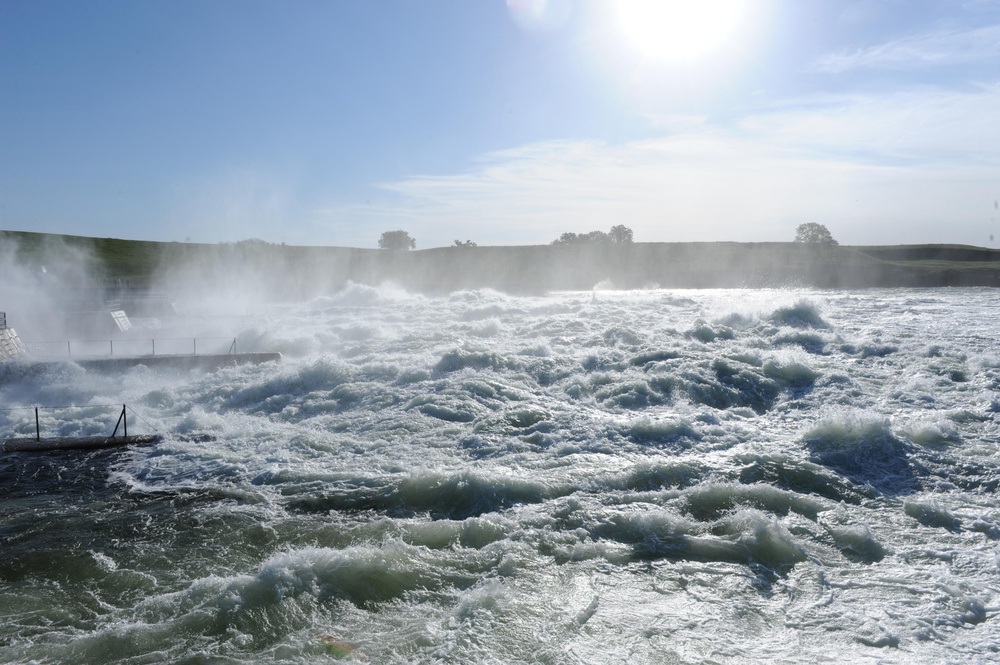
(326, 123)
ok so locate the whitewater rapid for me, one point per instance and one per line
(590, 477)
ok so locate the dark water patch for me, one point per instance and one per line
(953, 373)
(525, 417)
(366, 576)
(934, 351)
(759, 539)
(801, 315)
(734, 385)
(794, 377)
(866, 452)
(38, 376)
(707, 333)
(637, 393)
(932, 513)
(475, 532)
(988, 528)
(290, 386)
(711, 501)
(937, 436)
(876, 350)
(746, 537)
(549, 371)
(411, 376)
(54, 547)
(513, 421)
(482, 447)
(670, 433)
(100, 547)
(949, 472)
(808, 341)
(663, 384)
(964, 416)
(763, 577)
(648, 477)
(801, 477)
(621, 336)
(449, 406)
(607, 361)
(240, 618)
(737, 321)
(577, 390)
(467, 494)
(447, 413)
(856, 543)
(460, 359)
(649, 357)
(879, 640)
(439, 495)
(65, 476)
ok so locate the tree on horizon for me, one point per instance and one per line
(396, 241)
(814, 234)
(618, 235)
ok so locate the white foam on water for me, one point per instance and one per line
(578, 477)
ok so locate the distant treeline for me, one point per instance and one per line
(285, 271)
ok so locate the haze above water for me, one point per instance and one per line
(640, 476)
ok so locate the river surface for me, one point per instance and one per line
(590, 477)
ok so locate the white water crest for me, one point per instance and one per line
(610, 476)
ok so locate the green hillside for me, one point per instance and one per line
(292, 271)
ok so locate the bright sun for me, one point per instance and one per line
(679, 30)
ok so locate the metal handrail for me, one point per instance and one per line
(122, 416)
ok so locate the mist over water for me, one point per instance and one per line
(38, 292)
(605, 476)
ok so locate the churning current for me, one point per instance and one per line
(590, 477)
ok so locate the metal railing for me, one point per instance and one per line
(176, 346)
(122, 422)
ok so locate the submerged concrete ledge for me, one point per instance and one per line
(205, 362)
(77, 443)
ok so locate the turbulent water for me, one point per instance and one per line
(602, 477)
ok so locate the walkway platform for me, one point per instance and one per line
(77, 443)
(206, 362)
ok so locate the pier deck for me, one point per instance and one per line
(76, 442)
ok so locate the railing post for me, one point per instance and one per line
(69, 353)
(111, 342)
(154, 345)
(194, 340)
(38, 432)
(121, 419)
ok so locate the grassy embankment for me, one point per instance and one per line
(289, 271)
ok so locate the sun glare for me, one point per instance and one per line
(679, 30)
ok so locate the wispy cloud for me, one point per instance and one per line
(919, 166)
(920, 128)
(954, 47)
